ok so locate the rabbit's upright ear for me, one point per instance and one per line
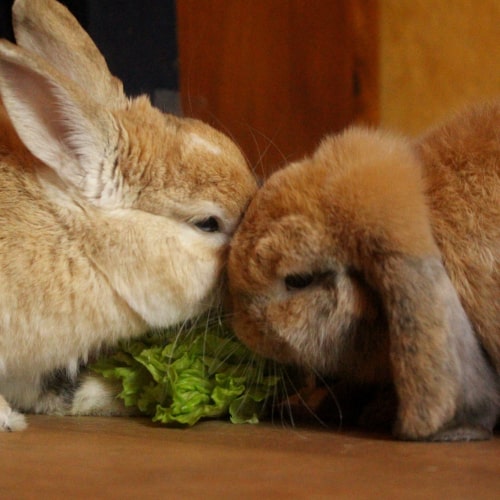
(47, 28)
(445, 387)
(59, 123)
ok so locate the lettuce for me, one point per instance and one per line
(182, 375)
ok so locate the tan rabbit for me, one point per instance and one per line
(114, 217)
(378, 260)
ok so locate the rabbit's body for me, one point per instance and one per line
(378, 260)
(114, 217)
(51, 284)
(461, 166)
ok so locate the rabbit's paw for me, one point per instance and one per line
(10, 420)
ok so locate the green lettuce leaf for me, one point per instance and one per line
(181, 375)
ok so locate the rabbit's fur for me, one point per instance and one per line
(377, 260)
(114, 217)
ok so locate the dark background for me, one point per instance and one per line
(138, 40)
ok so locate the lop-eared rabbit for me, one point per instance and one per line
(377, 260)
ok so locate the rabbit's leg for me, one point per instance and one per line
(80, 393)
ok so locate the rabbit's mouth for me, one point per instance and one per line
(257, 334)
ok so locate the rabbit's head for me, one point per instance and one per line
(300, 261)
(154, 198)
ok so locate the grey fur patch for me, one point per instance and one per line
(62, 384)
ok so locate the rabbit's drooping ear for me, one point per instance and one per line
(47, 28)
(59, 123)
(446, 389)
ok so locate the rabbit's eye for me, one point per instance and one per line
(298, 281)
(209, 225)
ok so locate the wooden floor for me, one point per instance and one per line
(70, 457)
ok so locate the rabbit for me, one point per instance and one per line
(115, 218)
(377, 260)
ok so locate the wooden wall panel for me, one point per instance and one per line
(277, 75)
(436, 56)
